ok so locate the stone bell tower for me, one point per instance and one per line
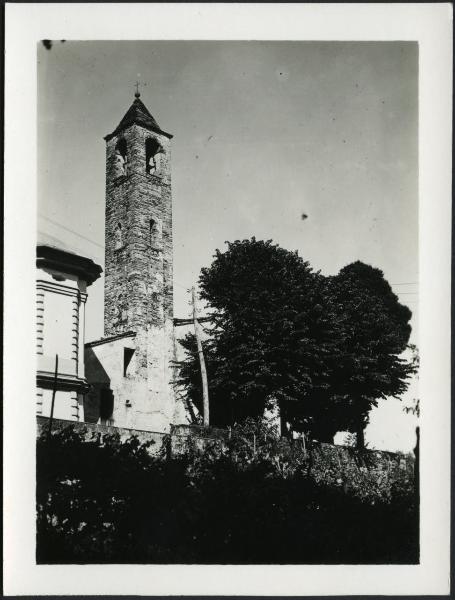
(138, 294)
(138, 235)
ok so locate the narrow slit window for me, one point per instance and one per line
(127, 356)
(118, 237)
(106, 405)
(152, 231)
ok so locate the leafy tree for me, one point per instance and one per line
(372, 331)
(268, 338)
(326, 348)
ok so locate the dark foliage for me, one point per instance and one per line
(325, 348)
(372, 331)
(114, 503)
(269, 337)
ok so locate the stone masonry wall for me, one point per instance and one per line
(138, 275)
(138, 281)
(366, 474)
(91, 430)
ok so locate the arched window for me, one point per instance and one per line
(121, 158)
(154, 232)
(118, 237)
(153, 152)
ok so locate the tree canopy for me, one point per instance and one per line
(324, 348)
(372, 331)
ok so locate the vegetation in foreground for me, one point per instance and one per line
(116, 503)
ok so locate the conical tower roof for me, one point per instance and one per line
(138, 114)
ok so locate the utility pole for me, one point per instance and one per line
(205, 387)
(54, 389)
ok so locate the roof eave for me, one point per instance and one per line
(60, 260)
(110, 338)
(109, 136)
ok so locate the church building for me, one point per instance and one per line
(62, 279)
(130, 370)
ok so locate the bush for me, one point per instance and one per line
(114, 502)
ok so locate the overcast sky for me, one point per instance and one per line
(263, 132)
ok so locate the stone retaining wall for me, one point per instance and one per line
(370, 471)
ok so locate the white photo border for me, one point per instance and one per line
(428, 24)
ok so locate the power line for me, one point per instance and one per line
(70, 230)
(406, 283)
(184, 287)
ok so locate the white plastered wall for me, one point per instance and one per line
(143, 403)
(60, 332)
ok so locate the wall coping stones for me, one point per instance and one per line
(111, 338)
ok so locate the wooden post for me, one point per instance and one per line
(54, 389)
(205, 387)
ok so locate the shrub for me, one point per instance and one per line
(112, 502)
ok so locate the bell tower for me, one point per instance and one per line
(138, 235)
(138, 293)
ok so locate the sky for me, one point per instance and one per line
(263, 132)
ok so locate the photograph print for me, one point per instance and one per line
(227, 303)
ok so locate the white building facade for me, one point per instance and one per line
(61, 292)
